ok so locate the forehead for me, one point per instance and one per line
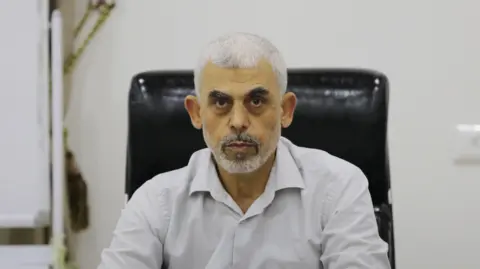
(238, 81)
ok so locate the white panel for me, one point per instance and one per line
(467, 144)
(24, 256)
(24, 165)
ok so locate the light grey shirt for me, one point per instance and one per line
(316, 212)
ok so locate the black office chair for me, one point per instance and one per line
(341, 111)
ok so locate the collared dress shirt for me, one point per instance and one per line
(316, 212)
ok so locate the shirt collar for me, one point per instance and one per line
(205, 178)
(285, 172)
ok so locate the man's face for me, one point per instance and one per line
(240, 111)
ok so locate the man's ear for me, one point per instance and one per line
(289, 103)
(193, 108)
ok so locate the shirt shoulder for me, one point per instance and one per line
(319, 167)
(330, 181)
(177, 182)
(156, 197)
(326, 176)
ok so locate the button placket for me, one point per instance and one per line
(238, 242)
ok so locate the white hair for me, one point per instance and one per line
(242, 50)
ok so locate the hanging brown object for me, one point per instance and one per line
(77, 195)
(76, 186)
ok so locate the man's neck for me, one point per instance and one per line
(247, 186)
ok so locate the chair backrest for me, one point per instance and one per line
(341, 111)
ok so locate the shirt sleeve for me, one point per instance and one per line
(136, 239)
(350, 237)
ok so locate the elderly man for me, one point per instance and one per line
(252, 199)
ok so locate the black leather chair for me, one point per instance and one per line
(341, 111)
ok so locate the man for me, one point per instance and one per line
(252, 199)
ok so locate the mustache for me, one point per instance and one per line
(242, 137)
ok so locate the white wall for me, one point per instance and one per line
(429, 50)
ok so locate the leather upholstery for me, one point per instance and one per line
(342, 111)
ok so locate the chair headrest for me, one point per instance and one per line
(341, 111)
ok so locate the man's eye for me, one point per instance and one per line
(221, 103)
(256, 102)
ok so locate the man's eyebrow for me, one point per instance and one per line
(255, 92)
(258, 91)
(218, 94)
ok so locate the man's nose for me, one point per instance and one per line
(239, 120)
